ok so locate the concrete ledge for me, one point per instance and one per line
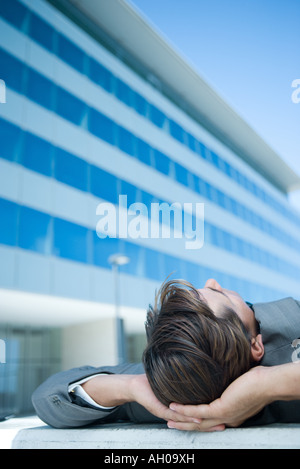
(32, 433)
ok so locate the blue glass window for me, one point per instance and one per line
(207, 234)
(147, 199)
(172, 265)
(255, 254)
(193, 274)
(100, 75)
(208, 155)
(101, 126)
(227, 239)
(126, 140)
(8, 222)
(196, 183)
(70, 240)
(14, 12)
(34, 230)
(162, 162)
(154, 265)
(233, 205)
(234, 244)
(102, 249)
(209, 190)
(201, 149)
(41, 32)
(247, 249)
(215, 159)
(221, 198)
(181, 174)
(69, 107)
(215, 235)
(140, 104)
(103, 184)
(36, 154)
(10, 139)
(234, 174)
(71, 53)
(133, 251)
(176, 131)
(156, 116)
(39, 89)
(143, 151)
(214, 194)
(254, 190)
(12, 71)
(70, 170)
(248, 215)
(221, 163)
(241, 211)
(129, 190)
(250, 186)
(269, 200)
(123, 92)
(191, 142)
(241, 179)
(203, 188)
(226, 168)
(241, 248)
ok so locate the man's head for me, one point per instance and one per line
(199, 341)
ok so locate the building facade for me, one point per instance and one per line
(86, 123)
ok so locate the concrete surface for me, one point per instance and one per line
(32, 433)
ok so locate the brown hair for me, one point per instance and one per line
(192, 355)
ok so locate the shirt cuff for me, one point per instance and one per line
(78, 390)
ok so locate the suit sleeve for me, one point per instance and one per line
(56, 407)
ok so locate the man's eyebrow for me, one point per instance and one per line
(218, 291)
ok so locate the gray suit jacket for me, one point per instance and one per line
(280, 327)
(57, 407)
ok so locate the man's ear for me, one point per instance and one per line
(257, 348)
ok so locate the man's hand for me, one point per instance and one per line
(141, 392)
(245, 397)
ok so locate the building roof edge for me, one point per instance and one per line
(129, 29)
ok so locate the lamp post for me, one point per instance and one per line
(116, 260)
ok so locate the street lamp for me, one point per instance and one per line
(116, 260)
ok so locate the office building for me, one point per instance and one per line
(98, 106)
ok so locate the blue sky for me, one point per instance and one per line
(248, 51)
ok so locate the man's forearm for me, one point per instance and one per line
(282, 382)
(114, 390)
(109, 390)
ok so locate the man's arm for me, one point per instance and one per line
(244, 398)
(128, 396)
(116, 390)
